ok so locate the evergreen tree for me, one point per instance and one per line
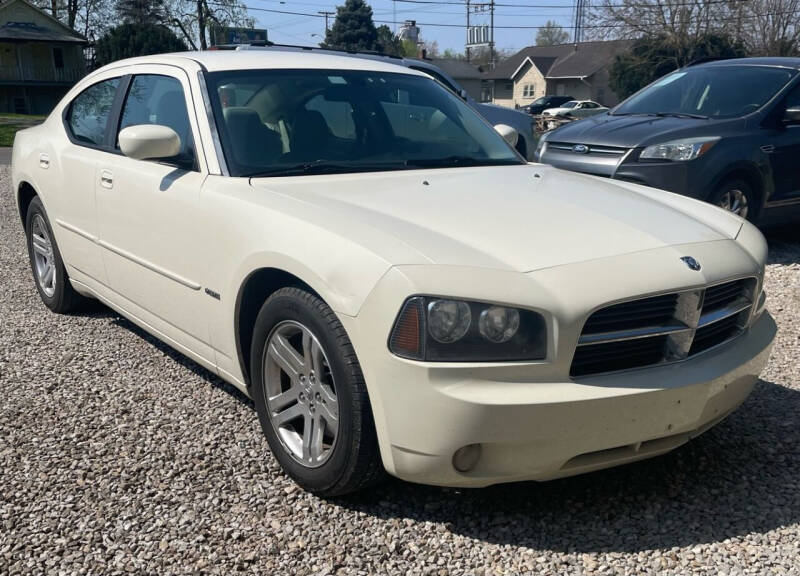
(129, 40)
(141, 11)
(353, 28)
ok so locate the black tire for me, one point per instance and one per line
(64, 299)
(354, 461)
(726, 191)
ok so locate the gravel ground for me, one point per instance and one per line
(118, 455)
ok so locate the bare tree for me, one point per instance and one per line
(771, 27)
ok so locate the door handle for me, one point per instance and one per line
(44, 161)
(106, 179)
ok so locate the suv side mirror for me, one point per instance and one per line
(463, 94)
(508, 133)
(792, 115)
(149, 142)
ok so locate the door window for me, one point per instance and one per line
(88, 114)
(157, 99)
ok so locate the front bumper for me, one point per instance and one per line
(541, 431)
(532, 421)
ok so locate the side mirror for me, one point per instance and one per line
(149, 141)
(792, 115)
(463, 94)
(508, 133)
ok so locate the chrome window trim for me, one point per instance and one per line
(212, 124)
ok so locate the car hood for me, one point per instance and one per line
(624, 131)
(520, 218)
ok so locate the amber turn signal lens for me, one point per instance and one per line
(406, 339)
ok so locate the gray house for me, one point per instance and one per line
(40, 59)
(468, 76)
(579, 70)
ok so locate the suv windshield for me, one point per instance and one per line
(294, 122)
(708, 92)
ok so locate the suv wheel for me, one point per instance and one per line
(736, 196)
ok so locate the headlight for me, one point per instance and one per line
(679, 150)
(448, 330)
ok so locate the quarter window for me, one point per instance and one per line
(88, 114)
(156, 99)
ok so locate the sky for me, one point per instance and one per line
(309, 30)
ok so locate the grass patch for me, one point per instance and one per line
(10, 123)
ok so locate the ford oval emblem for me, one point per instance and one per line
(580, 149)
(691, 263)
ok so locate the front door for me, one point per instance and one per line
(782, 146)
(147, 211)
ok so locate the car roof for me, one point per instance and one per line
(220, 60)
(775, 61)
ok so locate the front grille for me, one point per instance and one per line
(592, 150)
(665, 328)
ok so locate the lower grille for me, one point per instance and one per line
(664, 328)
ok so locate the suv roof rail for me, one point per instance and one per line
(704, 60)
(269, 44)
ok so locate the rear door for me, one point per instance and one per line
(86, 121)
(150, 230)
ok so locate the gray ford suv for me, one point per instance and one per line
(725, 131)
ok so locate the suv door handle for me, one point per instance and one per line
(44, 161)
(106, 179)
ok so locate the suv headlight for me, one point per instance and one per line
(448, 330)
(679, 150)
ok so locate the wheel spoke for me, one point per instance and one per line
(286, 416)
(317, 434)
(47, 279)
(312, 353)
(286, 356)
(285, 399)
(329, 410)
(308, 432)
(40, 245)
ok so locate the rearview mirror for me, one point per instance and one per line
(792, 115)
(508, 133)
(149, 141)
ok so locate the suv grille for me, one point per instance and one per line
(665, 328)
(591, 149)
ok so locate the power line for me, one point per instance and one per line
(640, 5)
(443, 25)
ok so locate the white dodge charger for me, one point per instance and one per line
(396, 289)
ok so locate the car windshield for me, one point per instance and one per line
(708, 92)
(295, 122)
(571, 104)
(540, 100)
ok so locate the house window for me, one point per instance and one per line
(58, 58)
(527, 91)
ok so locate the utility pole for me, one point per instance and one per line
(491, 34)
(326, 14)
(467, 47)
(580, 10)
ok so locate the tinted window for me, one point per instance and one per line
(713, 91)
(88, 113)
(155, 99)
(308, 121)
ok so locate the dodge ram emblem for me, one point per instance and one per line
(691, 263)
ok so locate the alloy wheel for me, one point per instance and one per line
(43, 256)
(300, 393)
(734, 201)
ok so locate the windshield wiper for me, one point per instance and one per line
(681, 115)
(322, 167)
(455, 161)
